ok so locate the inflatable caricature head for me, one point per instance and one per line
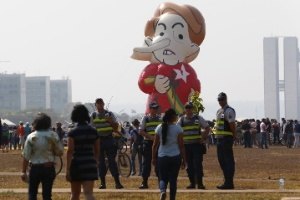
(172, 40)
(173, 35)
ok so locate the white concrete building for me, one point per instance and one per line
(12, 92)
(61, 94)
(273, 85)
(38, 92)
(291, 78)
(271, 78)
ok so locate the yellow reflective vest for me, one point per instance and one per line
(152, 123)
(101, 124)
(222, 125)
(191, 129)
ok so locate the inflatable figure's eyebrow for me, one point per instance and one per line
(178, 23)
(162, 24)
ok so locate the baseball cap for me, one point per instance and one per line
(222, 96)
(188, 105)
(153, 105)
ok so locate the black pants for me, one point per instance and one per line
(41, 174)
(225, 158)
(275, 137)
(147, 158)
(109, 149)
(194, 156)
(247, 139)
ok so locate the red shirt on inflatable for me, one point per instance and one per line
(182, 78)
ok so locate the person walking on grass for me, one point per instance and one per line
(147, 130)
(21, 135)
(136, 141)
(225, 134)
(5, 137)
(82, 154)
(39, 151)
(168, 153)
(196, 130)
(105, 123)
(296, 133)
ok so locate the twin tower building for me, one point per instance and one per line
(281, 77)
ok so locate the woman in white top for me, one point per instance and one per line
(171, 154)
(40, 150)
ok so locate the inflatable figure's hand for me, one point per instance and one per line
(162, 84)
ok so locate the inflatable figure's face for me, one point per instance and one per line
(170, 44)
(172, 39)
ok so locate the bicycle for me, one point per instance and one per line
(123, 160)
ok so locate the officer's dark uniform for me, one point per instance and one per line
(194, 149)
(149, 124)
(225, 139)
(107, 147)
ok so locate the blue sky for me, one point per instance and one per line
(91, 42)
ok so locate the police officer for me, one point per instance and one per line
(147, 130)
(105, 123)
(225, 135)
(193, 138)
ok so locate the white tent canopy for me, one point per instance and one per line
(8, 122)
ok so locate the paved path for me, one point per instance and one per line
(154, 177)
(130, 190)
(68, 190)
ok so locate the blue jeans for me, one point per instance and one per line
(226, 158)
(136, 151)
(168, 168)
(41, 174)
(264, 140)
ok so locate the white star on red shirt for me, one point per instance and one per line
(181, 74)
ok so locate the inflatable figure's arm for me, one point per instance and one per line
(194, 81)
(147, 78)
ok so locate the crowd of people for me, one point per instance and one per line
(14, 137)
(165, 141)
(265, 132)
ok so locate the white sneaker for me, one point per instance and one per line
(163, 196)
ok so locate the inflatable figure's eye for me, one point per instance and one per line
(161, 33)
(180, 36)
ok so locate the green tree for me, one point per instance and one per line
(197, 102)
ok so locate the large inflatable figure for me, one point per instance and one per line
(172, 40)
